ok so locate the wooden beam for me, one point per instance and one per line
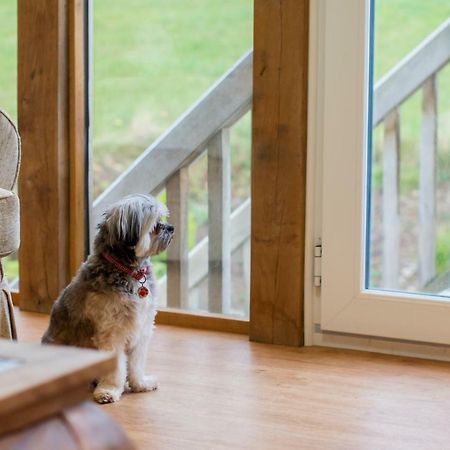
(78, 226)
(280, 94)
(43, 125)
(52, 183)
(203, 321)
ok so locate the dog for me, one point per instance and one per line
(110, 303)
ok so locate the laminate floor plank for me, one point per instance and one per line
(220, 391)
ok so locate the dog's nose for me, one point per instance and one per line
(170, 228)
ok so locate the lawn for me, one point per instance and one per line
(153, 58)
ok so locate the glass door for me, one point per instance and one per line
(171, 90)
(386, 169)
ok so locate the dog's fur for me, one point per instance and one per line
(101, 309)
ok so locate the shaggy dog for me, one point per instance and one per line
(110, 304)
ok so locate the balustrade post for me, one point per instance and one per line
(391, 221)
(178, 252)
(246, 266)
(427, 184)
(219, 211)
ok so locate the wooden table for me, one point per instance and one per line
(45, 399)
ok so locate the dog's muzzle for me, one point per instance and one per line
(165, 232)
(162, 227)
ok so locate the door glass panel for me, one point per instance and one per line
(408, 239)
(152, 61)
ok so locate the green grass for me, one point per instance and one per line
(401, 25)
(8, 57)
(443, 251)
(11, 264)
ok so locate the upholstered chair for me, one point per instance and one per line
(9, 215)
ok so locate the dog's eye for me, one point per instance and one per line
(157, 228)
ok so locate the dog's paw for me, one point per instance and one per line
(148, 383)
(107, 394)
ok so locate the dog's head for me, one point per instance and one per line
(132, 228)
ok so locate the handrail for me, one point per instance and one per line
(411, 72)
(220, 107)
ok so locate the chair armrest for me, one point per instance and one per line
(9, 222)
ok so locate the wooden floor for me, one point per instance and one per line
(219, 391)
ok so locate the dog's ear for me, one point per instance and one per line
(123, 225)
(145, 239)
(148, 221)
(133, 228)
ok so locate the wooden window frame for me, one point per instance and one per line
(52, 98)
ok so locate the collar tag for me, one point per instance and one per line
(142, 292)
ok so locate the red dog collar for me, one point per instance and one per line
(136, 274)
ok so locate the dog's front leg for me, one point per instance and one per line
(110, 387)
(137, 380)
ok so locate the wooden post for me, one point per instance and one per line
(43, 124)
(391, 222)
(280, 98)
(219, 212)
(427, 187)
(78, 224)
(245, 249)
(178, 252)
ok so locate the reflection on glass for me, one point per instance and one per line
(409, 168)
